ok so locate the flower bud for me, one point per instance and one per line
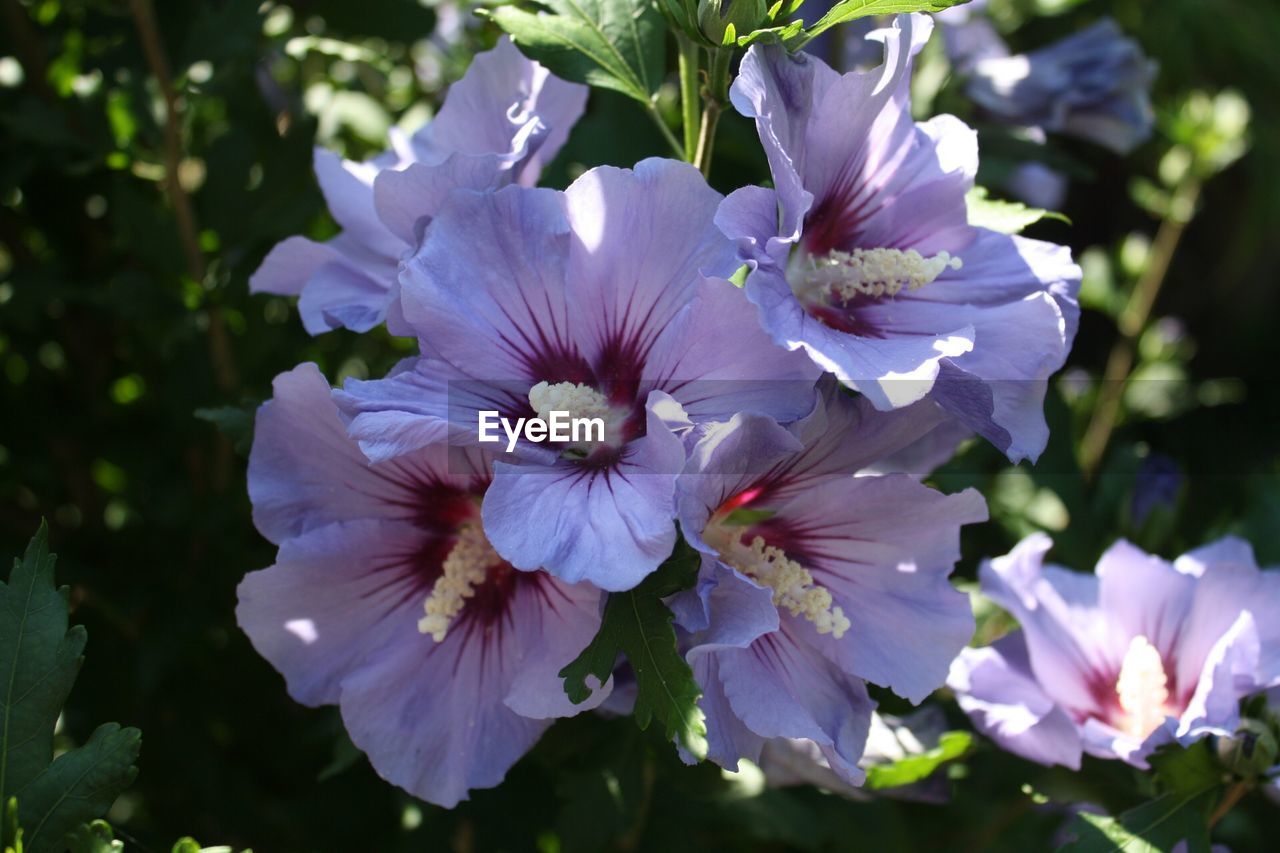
(723, 21)
(1251, 751)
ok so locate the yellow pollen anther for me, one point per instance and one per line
(464, 570)
(1143, 689)
(793, 587)
(872, 272)
(580, 401)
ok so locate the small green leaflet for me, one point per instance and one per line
(39, 659)
(771, 35)
(1153, 827)
(612, 44)
(1007, 217)
(913, 768)
(851, 10)
(637, 624)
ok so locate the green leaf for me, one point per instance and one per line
(771, 35)
(79, 785)
(913, 768)
(613, 44)
(1007, 217)
(851, 10)
(1154, 827)
(1187, 770)
(39, 659)
(638, 625)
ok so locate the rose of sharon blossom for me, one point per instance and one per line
(604, 302)
(1118, 663)
(499, 124)
(863, 256)
(1095, 84)
(815, 581)
(387, 600)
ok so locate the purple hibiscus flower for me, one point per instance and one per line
(1095, 84)
(863, 256)
(603, 302)
(387, 600)
(815, 581)
(1118, 663)
(499, 124)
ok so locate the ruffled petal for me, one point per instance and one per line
(304, 472)
(502, 313)
(1066, 632)
(558, 621)
(995, 687)
(728, 738)
(290, 264)
(501, 99)
(782, 687)
(327, 607)
(884, 547)
(431, 716)
(643, 239)
(407, 199)
(1229, 674)
(404, 412)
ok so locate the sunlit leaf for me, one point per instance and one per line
(613, 44)
(637, 624)
(913, 768)
(1007, 217)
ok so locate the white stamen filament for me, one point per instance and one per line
(793, 586)
(464, 570)
(1143, 689)
(869, 272)
(580, 401)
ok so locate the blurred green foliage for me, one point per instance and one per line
(121, 318)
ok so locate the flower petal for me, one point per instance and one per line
(558, 621)
(644, 237)
(431, 717)
(609, 526)
(501, 313)
(781, 687)
(884, 547)
(995, 687)
(325, 608)
(1066, 632)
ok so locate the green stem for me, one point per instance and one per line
(1132, 321)
(1234, 794)
(689, 62)
(714, 97)
(652, 109)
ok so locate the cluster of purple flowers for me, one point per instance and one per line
(432, 587)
